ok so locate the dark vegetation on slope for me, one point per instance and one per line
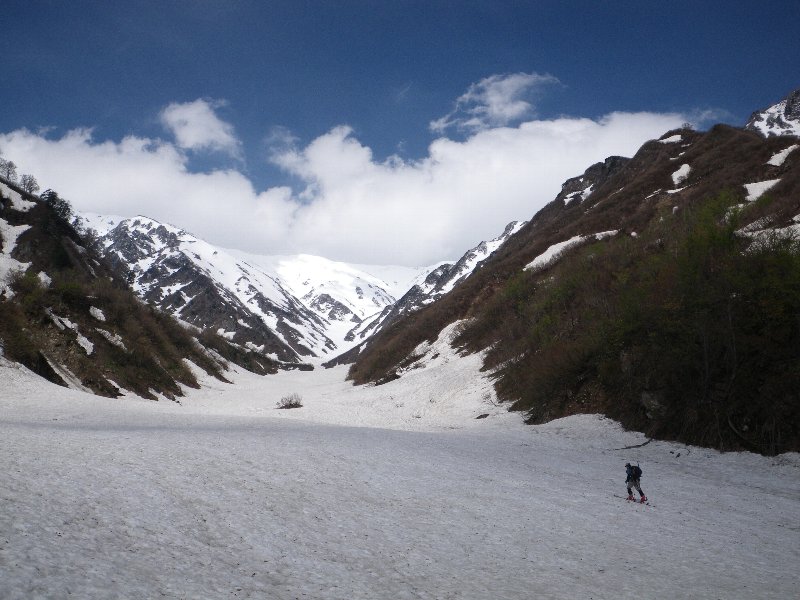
(681, 332)
(142, 350)
(685, 331)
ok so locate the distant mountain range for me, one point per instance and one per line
(289, 308)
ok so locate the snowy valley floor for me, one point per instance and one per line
(393, 492)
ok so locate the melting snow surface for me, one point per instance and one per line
(84, 343)
(554, 252)
(681, 174)
(97, 313)
(394, 491)
(113, 338)
(582, 194)
(68, 377)
(780, 157)
(756, 190)
(672, 139)
(17, 201)
(8, 240)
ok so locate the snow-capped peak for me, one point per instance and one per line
(782, 118)
(289, 307)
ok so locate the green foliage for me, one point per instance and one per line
(71, 293)
(16, 341)
(689, 311)
(29, 291)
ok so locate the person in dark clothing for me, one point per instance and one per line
(632, 481)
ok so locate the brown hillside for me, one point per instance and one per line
(575, 324)
(68, 317)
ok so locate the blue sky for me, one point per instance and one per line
(277, 77)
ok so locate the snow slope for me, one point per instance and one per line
(556, 251)
(342, 294)
(8, 265)
(395, 491)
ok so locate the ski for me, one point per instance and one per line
(634, 501)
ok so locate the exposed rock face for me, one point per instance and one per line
(333, 309)
(579, 188)
(782, 118)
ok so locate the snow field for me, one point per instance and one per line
(780, 157)
(8, 241)
(681, 174)
(224, 496)
(759, 188)
(556, 251)
(17, 201)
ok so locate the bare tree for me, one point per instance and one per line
(29, 184)
(8, 169)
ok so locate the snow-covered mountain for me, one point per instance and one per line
(292, 308)
(343, 295)
(782, 118)
(430, 285)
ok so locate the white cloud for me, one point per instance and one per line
(350, 206)
(196, 126)
(418, 212)
(495, 101)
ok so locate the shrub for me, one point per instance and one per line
(293, 400)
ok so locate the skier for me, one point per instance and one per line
(632, 481)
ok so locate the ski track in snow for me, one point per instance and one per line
(394, 491)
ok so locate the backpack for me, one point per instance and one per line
(637, 471)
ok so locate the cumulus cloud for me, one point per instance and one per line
(495, 101)
(196, 126)
(417, 212)
(348, 205)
